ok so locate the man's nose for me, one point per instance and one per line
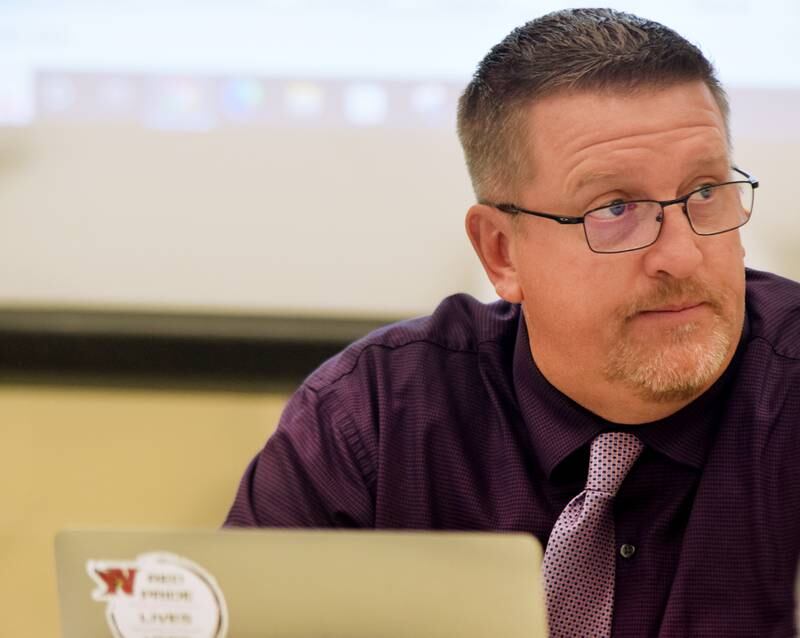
(676, 251)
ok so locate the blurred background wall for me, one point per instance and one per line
(252, 157)
(199, 201)
(101, 457)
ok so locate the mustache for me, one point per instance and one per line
(673, 291)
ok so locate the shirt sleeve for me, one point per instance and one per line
(311, 472)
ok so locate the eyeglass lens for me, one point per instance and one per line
(631, 225)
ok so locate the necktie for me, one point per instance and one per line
(580, 558)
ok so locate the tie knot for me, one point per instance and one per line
(610, 458)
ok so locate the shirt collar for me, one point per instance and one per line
(558, 426)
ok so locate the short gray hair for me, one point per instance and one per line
(570, 50)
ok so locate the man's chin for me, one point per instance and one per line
(678, 368)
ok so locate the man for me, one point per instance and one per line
(630, 338)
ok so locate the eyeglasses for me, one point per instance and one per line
(622, 226)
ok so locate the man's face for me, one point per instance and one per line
(660, 323)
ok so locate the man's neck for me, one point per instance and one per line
(617, 401)
(621, 405)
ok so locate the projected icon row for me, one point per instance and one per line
(197, 103)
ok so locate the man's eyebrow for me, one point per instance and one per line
(699, 164)
(596, 176)
(710, 163)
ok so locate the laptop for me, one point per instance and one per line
(299, 584)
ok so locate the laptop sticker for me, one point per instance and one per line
(159, 595)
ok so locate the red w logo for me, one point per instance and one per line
(117, 579)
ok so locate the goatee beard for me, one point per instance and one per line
(682, 360)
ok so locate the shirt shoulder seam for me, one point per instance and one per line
(775, 351)
(387, 346)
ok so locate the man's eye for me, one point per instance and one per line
(617, 208)
(706, 191)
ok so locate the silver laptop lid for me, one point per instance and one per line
(298, 583)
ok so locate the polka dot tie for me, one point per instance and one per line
(580, 558)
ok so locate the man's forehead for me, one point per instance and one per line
(579, 125)
(626, 109)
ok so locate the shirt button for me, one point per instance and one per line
(626, 551)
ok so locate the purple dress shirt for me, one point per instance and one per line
(445, 422)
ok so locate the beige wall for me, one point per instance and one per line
(78, 457)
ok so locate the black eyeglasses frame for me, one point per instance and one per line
(513, 209)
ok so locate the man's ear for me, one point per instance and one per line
(492, 234)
